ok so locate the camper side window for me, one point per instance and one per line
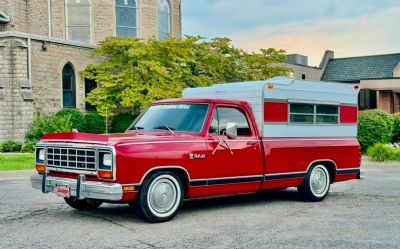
(313, 114)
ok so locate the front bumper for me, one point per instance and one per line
(79, 188)
(361, 175)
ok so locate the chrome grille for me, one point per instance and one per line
(71, 158)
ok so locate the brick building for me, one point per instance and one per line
(45, 43)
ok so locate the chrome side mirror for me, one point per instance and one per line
(231, 130)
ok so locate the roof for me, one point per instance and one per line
(365, 67)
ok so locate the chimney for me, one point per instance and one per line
(297, 59)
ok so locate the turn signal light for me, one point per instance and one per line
(105, 174)
(270, 86)
(40, 168)
(128, 188)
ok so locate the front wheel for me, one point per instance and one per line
(316, 184)
(161, 197)
(85, 204)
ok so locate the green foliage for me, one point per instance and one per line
(94, 123)
(396, 128)
(136, 72)
(10, 146)
(381, 152)
(28, 146)
(42, 125)
(374, 126)
(77, 119)
(121, 122)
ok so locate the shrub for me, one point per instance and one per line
(10, 146)
(95, 123)
(77, 119)
(374, 126)
(381, 152)
(121, 122)
(396, 127)
(42, 125)
(28, 146)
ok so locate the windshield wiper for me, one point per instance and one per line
(137, 128)
(165, 127)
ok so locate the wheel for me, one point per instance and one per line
(160, 197)
(316, 184)
(85, 204)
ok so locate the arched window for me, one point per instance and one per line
(78, 20)
(126, 18)
(69, 90)
(163, 19)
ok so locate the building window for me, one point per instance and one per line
(367, 99)
(90, 85)
(78, 20)
(303, 76)
(163, 19)
(126, 18)
(313, 114)
(69, 83)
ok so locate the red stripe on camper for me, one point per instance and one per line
(275, 112)
(348, 114)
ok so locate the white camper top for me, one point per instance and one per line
(286, 90)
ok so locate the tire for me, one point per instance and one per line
(316, 184)
(85, 204)
(160, 197)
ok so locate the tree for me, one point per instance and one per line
(135, 72)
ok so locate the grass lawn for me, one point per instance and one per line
(17, 161)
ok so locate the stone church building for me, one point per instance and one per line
(45, 43)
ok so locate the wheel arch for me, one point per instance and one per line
(180, 171)
(329, 164)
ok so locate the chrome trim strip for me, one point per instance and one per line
(88, 189)
(72, 141)
(187, 141)
(226, 180)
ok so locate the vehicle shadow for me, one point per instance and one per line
(117, 212)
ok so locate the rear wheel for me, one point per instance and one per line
(160, 197)
(85, 204)
(316, 184)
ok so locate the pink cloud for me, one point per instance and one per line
(375, 33)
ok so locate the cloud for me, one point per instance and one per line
(374, 33)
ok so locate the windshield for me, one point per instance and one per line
(173, 118)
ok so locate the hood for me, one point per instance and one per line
(114, 139)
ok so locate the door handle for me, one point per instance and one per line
(252, 143)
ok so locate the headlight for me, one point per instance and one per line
(107, 159)
(40, 155)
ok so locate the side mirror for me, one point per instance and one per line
(231, 130)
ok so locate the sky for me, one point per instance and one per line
(308, 27)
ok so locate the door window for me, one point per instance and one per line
(224, 115)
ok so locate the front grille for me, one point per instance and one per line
(71, 158)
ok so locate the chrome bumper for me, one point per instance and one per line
(361, 175)
(79, 188)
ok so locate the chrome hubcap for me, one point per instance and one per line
(163, 195)
(319, 181)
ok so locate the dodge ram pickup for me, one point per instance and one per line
(226, 139)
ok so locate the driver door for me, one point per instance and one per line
(233, 165)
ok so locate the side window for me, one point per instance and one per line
(225, 115)
(313, 114)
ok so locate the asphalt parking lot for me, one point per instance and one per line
(356, 214)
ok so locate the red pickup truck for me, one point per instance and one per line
(222, 140)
